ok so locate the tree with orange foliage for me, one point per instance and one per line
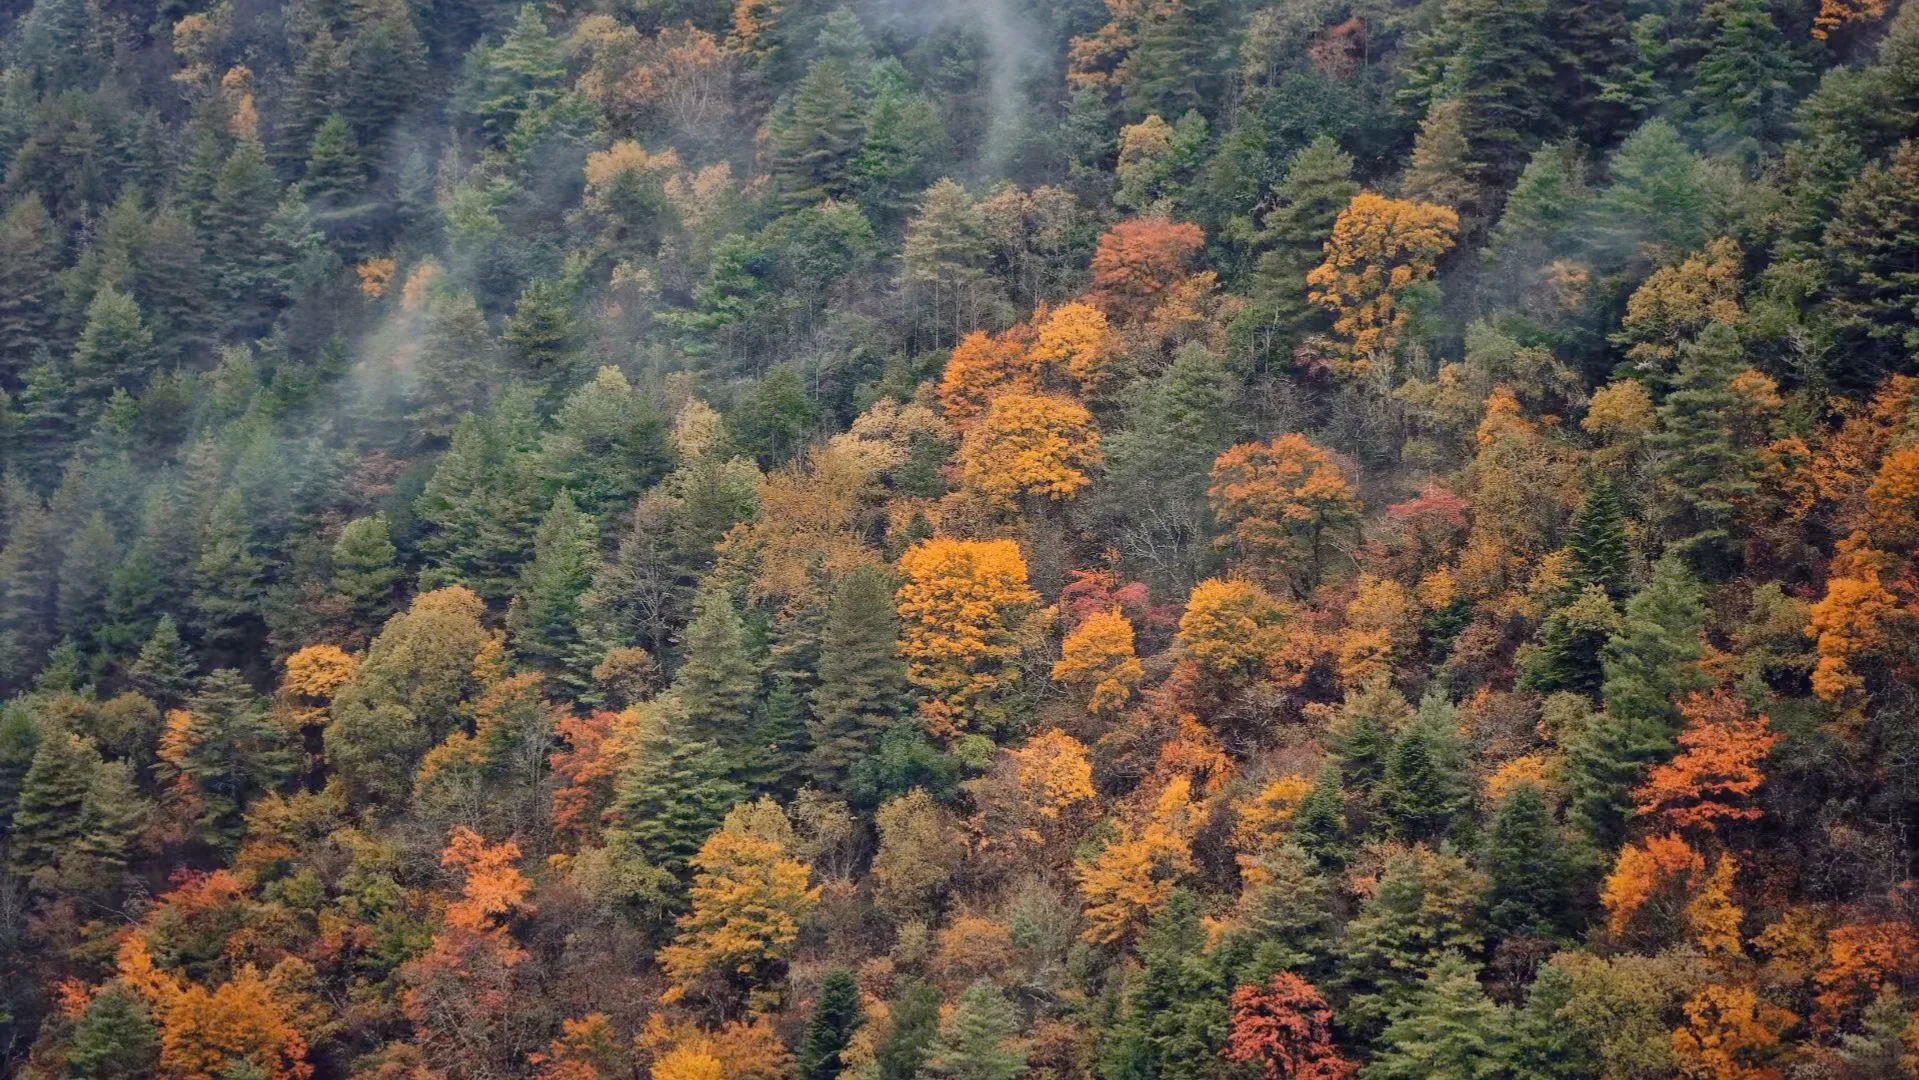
(586, 1049)
(1853, 623)
(1281, 499)
(1037, 798)
(1285, 1027)
(1075, 342)
(1646, 871)
(1838, 14)
(961, 604)
(1380, 247)
(583, 769)
(980, 367)
(750, 898)
(1861, 958)
(211, 1036)
(1729, 1034)
(682, 1050)
(1098, 658)
(1029, 445)
(1137, 261)
(1721, 749)
(1131, 879)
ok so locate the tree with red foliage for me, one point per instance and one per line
(1137, 261)
(1286, 1027)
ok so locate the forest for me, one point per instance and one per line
(959, 539)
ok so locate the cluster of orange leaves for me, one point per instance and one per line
(1379, 248)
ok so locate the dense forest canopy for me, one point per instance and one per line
(977, 540)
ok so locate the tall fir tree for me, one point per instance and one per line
(816, 139)
(862, 680)
(544, 618)
(48, 818)
(1531, 876)
(164, 669)
(718, 680)
(29, 257)
(231, 752)
(836, 1016)
(1703, 473)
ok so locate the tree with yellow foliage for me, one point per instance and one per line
(1281, 499)
(1098, 659)
(1729, 1034)
(1131, 879)
(1037, 445)
(1036, 799)
(1074, 341)
(236, 1029)
(981, 366)
(750, 898)
(1231, 628)
(961, 603)
(1380, 247)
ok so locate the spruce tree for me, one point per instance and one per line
(234, 232)
(1369, 721)
(115, 350)
(836, 1016)
(233, 754)
(114, 1038)
(1422, 789)
(47, 818)
(1319, 826)
(607, 444)
(92, 552)
(1599, 545)
(1873, 289)
(1653, 661)
(386, 69)
(29, 584)
(541, 337)
(1530, 873)
(862, 680)
(1570, 642)
(544, 618)
(1318, 185)
(1703, 474)
(164, 669)
(229, 576)
(457, 365)
(110, 820)
(1592, 57)
(364, 573)
(29, 257)
(673, 793)
(523, 74)
(974, 1042)
(1425, 906)
(718, 680)
(915, 1013)
(1743, 87)
(1448, 1028)
(1655, 197)
(816, 138)
(1178, 59)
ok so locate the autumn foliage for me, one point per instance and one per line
(1137, 261)
(1379, 248)
(1285, 1028)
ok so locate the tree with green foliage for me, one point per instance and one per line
(386, 68)
(915, 1013)
(607, 444)
(1318, 184)
(115, 350)
(234, 232)
(1655, 198)
(29, 258)
(1872, 288)
(1448, 1029)
(544, 617)
(1703, 474)
(862, 680)
(673, 792)
(817, 138)
(1178, 59)
(776, 418)
(1319, 826)
(1567, 654)
(525, 73)
(481, 508)
(111, 820)
(364, 569)
(718, 680)
(114, 1039)
(836, 1016)
(541, 337)
(976, 1040)
(29, 589)
(1426, 905)
(1423, 788)
(1744, 86)
(1600, 547)
(1175, 1018)
(229, 576)
(1369, 722)
(47, 817)
(164, 669)
(85, 572)
(231, 752)
(458, 365)
(1531, 875)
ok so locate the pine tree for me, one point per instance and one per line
(386, 69)
(115, 350)
(674, 792)
(544, 619)
(1600, 547)
(1178, 59)
(1530, 873)
(1703, 474)
(1655, 198)
(335, 182)
(816, 138)
(229, 576)
(1652, 662)
(29, 254)
(836, 1016)
(541, 337)
(901, 134)
(231, 752)
(862, 680)
(974, 1042)
(113, 1039)
(169, 280)
(719, 680)
(457, 365)
(915, 1013)
(1493, 58)
(607, 444)
(1425, 906)
(92, 552)
(479, 500)
(524, 74)
(164, 669)
(1318, 185)
(234, 234)
(1422, 790)
(1570, 642)
(110, 821)
(1319, 826)
(1874, 290)
(47, 819)
(363, 569)
(29, 583)
(1289, 913)
(1363, 734)
(1158, 466)
(1449, 1028)
(1743, 86)
(1592, 55)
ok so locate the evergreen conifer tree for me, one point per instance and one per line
(836, 1016)
(1529, 868)
(47, 817)
(862, 680)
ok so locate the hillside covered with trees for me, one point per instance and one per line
(976, 540)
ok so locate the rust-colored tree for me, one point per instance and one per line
(1137, 261)
(1285, 1027)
